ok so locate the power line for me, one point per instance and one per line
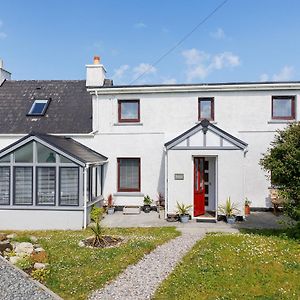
(181, 40)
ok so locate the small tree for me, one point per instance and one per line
(282, 162)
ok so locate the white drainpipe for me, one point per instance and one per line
(166, 184)
(85, 171)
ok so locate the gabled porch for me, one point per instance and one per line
(204, 166)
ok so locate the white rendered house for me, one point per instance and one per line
(195, 143)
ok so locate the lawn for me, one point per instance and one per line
(75, 272)
(237, 266)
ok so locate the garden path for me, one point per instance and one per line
(140, 281)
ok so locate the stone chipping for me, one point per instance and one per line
(140, 281)
(14, 285)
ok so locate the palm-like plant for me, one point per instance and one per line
(97, 230)
(229, 208)
(183, 209)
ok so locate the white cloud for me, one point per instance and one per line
(285, 74)
(119, 73)
(140, 25)
(194, 56)
(143, 68)
(169, 81)
(264, 77)
(200, 64)
(219, 34)
(225, 59)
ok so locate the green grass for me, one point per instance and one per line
(75, 272)
(260, 265)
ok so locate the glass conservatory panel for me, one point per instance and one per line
(45, 154)
(4, 185)
(5, 158)
(24, 154)
(23, 185)
(65, 160)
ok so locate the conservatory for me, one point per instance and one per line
(49, 182)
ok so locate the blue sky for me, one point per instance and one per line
(247, 40)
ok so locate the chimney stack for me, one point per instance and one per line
(4, 75)
(95, 73)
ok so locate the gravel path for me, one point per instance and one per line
(140, 281)
(14, 285)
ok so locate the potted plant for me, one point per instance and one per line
(183, 211)
(110, 205)
(229, 210)
(147, 204)
(247, 206)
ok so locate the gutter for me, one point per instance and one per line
(90, 134)
(192, 88)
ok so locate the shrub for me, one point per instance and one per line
(24, 263)
(282, 162)
(40, 275)
(147, 200)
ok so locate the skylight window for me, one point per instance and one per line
(39, 107)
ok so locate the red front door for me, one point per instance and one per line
(199, 188)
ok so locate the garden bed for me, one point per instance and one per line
(74, 271)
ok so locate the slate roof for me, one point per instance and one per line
(64, 144)
(73, 148)
(70, 109)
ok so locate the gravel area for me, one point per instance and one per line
(14, 285)
(140, 281)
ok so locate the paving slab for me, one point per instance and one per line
(254, 220)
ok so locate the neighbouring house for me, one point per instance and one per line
(67, 144)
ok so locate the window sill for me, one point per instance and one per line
(281, 121)
(130, 194)
(40, 207)
(128, 124)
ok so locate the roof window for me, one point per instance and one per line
(39, 107)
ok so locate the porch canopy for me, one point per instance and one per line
(205, 136)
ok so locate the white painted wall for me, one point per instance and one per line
(244, 114)
(40, 219)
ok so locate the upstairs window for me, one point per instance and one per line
(283, 107)
(129, 110)
(206, 109)
(38, 107)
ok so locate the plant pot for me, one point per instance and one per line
(247, 210)
(110, 210)
(147, 208)
(184, 218)
(230, 220)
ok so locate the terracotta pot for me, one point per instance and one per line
(247, 210)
